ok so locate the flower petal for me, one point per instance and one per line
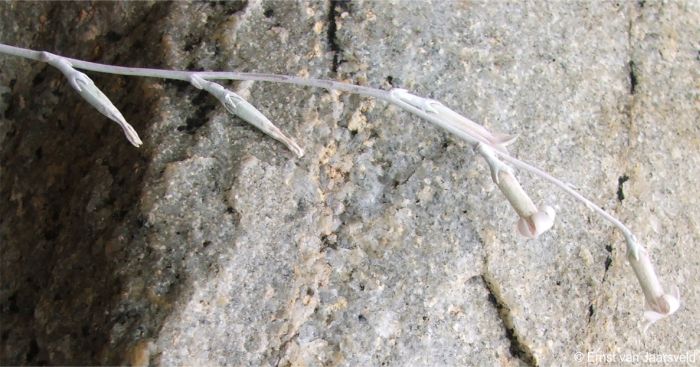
(538, 223)
(664, 306)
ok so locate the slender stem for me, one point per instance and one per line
(21, 52)
(186, 75)
(330, 85)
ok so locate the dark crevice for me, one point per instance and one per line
(204, 106)
(620, 183)
(281, 351)
(332, 37)
(608, 259)
(633, 77)
(608, 262)
(39, 77)
(33, 351)
(328, 242)
(228, 7)
(113, 37)
(517, 348)
(390, 80)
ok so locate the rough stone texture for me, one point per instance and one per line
(386, 244)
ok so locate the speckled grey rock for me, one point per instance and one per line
(386, 244)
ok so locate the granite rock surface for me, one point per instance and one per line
(386, 244)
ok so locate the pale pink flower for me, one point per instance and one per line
(657, 302)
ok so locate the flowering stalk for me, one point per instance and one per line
(533, 221)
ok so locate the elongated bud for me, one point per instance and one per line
(238, 106)
(451, 120)
(93, 95)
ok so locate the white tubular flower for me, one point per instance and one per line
(238, 106)
(93, 95)
(658, 303)
(451, 120)
(533, 221)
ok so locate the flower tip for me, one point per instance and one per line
(666, 305)
(131, 134)
(537, 223)
(504, 139)
(673, 300)
(292, 145)
(136, 142)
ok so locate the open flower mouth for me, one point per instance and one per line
(538, 223)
